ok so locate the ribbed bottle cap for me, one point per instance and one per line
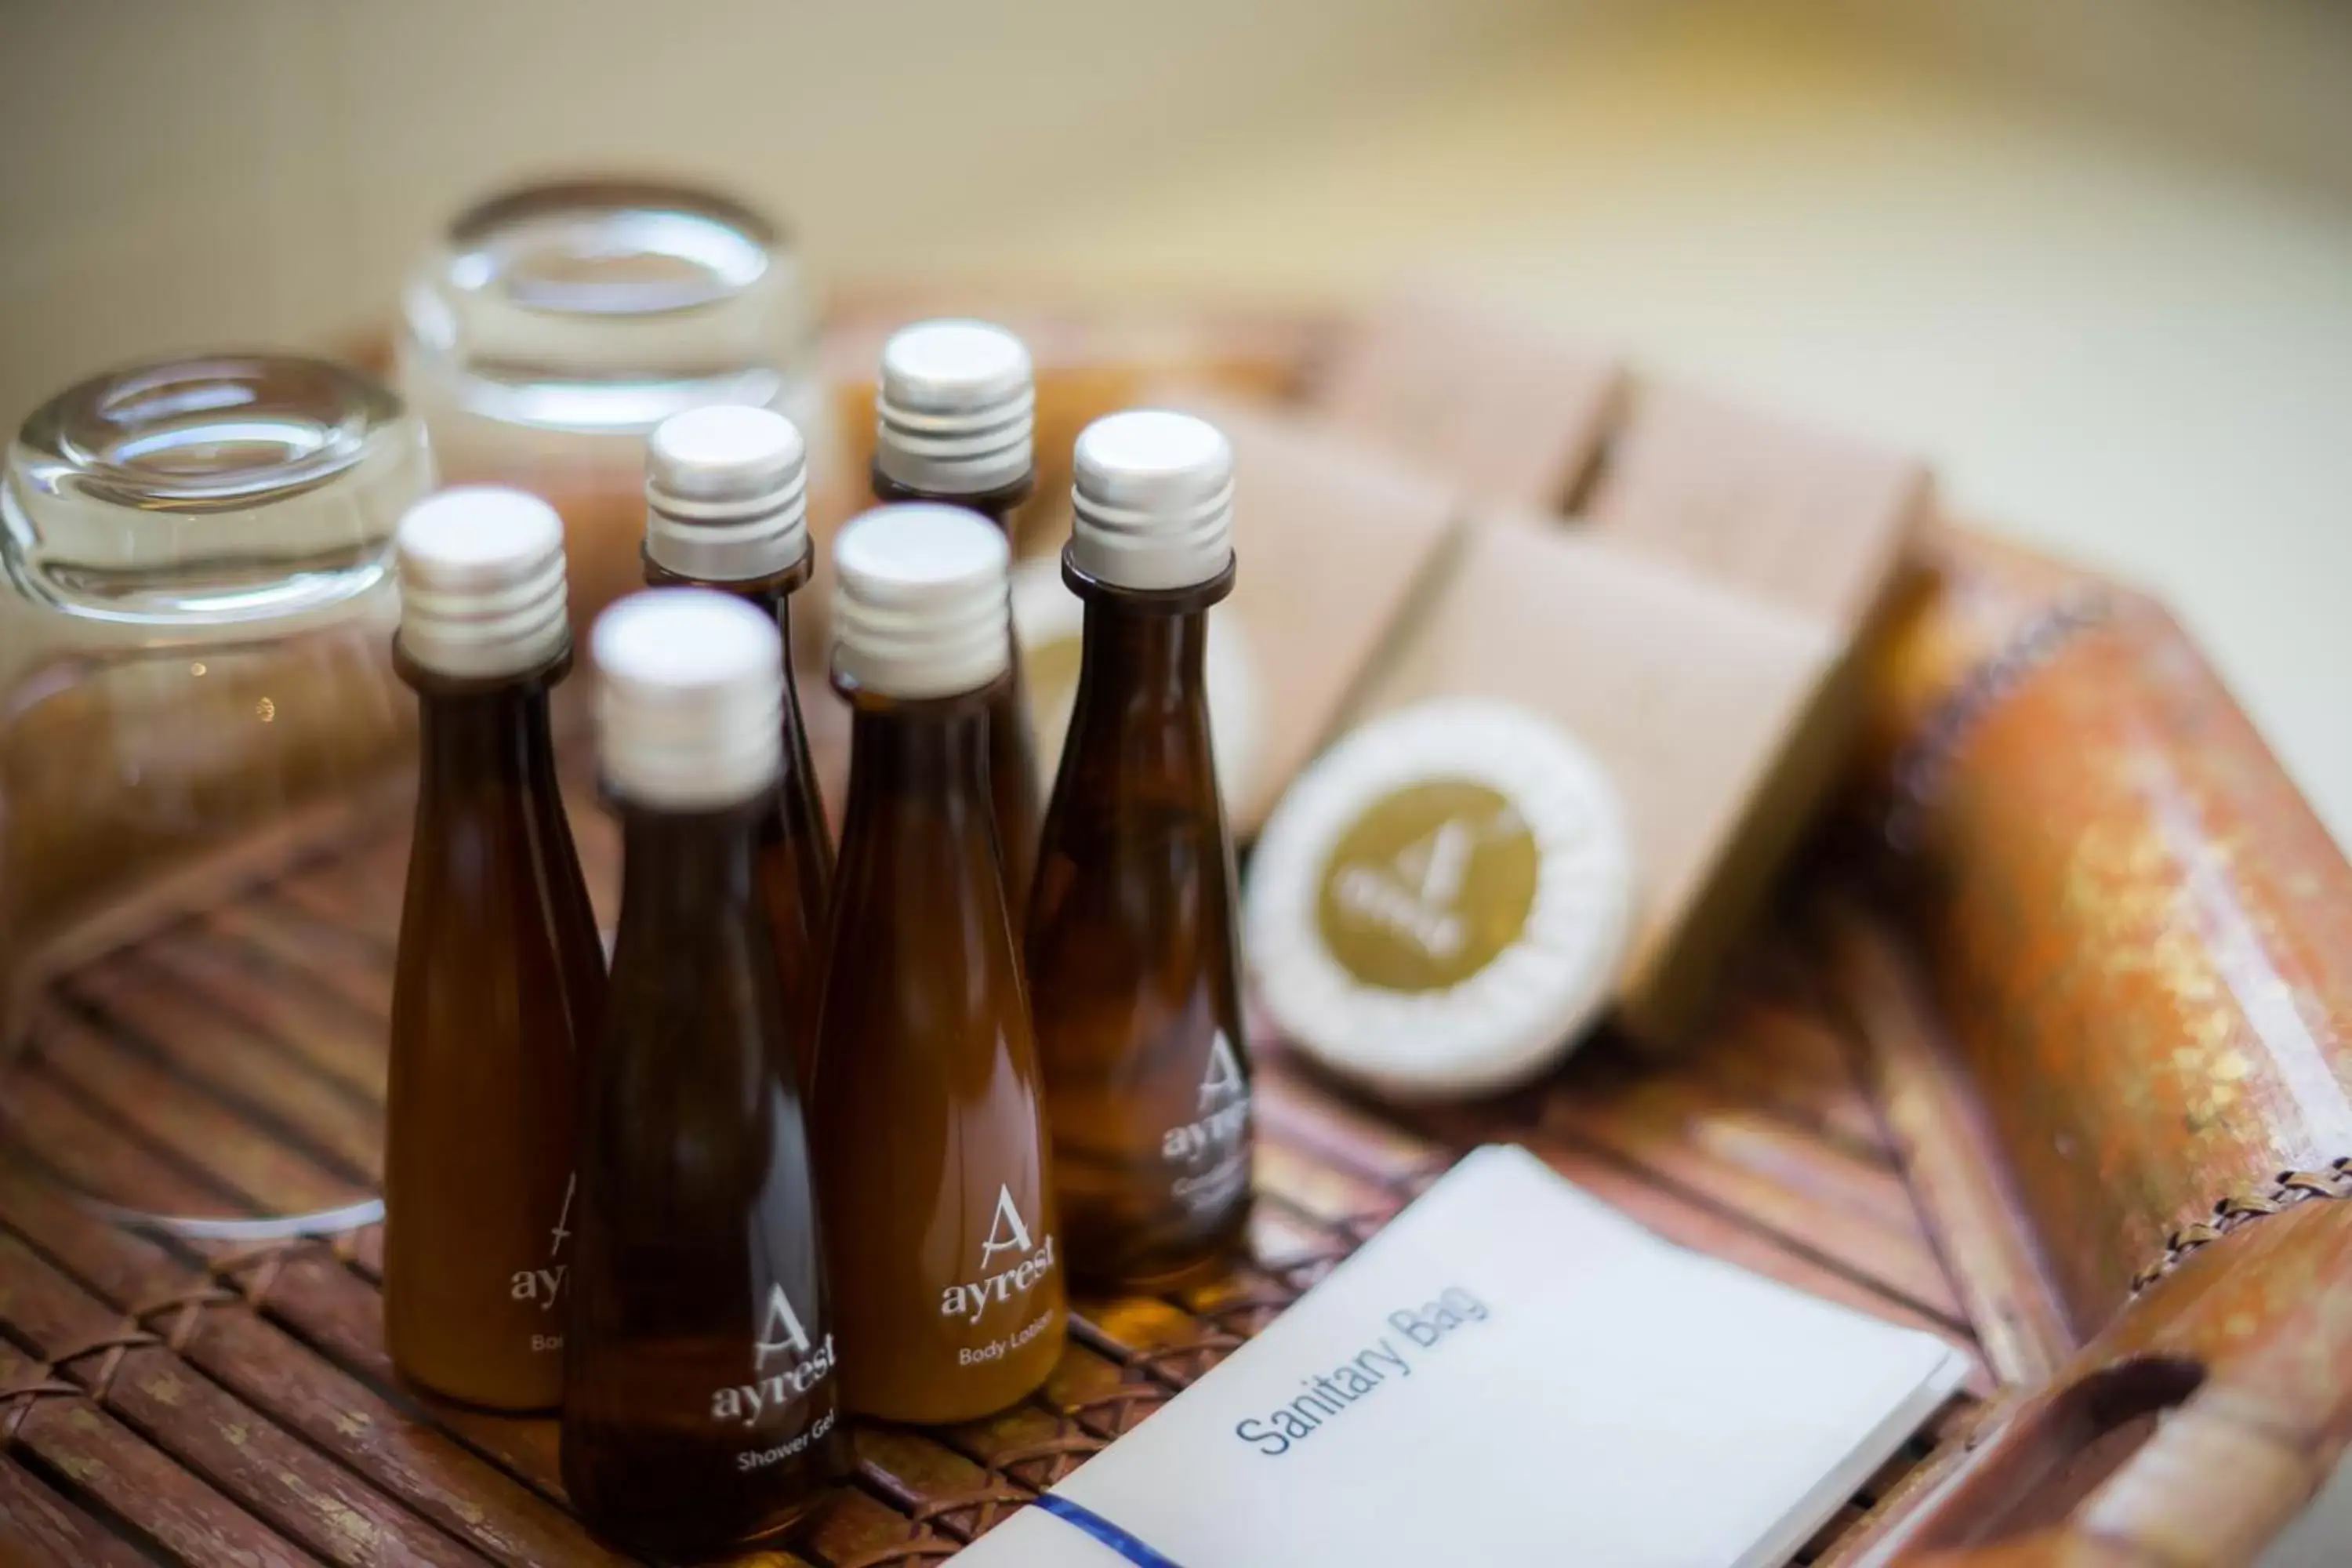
(481, 582)
(1153, 500)
(689, 699)
(921, 605)
(956, 409)
(726, 494)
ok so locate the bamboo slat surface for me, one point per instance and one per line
(193, 1403)
(2055, 1067)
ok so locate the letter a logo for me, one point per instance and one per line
(1433, 870)
(563, 1220)
(1223, 1079)
(780, 1317)
(1005, 1232)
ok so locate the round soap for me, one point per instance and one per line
(1438, 906)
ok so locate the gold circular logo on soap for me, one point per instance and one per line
(1428, 885)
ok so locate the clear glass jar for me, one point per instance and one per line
(196, 708)
(554, 326)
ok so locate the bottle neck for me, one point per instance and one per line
(472, 734)
(917, 761)
(1144, 665)
(921, 826)
(687, 866)
(1140, 719)
(930, 750)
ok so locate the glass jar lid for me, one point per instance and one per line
(605, 305)
(209, 492)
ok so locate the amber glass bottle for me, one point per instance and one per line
(931, 1153)
(500, 978)
(702, 1408)
(727, 508)
(955, 411)
(1133, 956)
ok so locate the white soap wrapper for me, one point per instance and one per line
(1510, 1372)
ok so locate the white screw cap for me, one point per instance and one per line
(727, 493)
(920, 608)
(689, 699)
(1153, 500)
(955, 412)
(481, 582)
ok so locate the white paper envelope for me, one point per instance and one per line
(1510, 1372)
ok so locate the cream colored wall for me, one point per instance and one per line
(2268, 81)
(2093, 257)
(2111, 341)
(185, 172)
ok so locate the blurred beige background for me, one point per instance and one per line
(2093, 257)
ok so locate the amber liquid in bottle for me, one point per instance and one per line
(1133, 955)
(496, 1003)
(930, 1125)
(795, 842)
(1013, 783)
(701, 1413)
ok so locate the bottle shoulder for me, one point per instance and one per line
(694, 1042)
(486, 859)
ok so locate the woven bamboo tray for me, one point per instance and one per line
(213, 1403)
(1868, 1117)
